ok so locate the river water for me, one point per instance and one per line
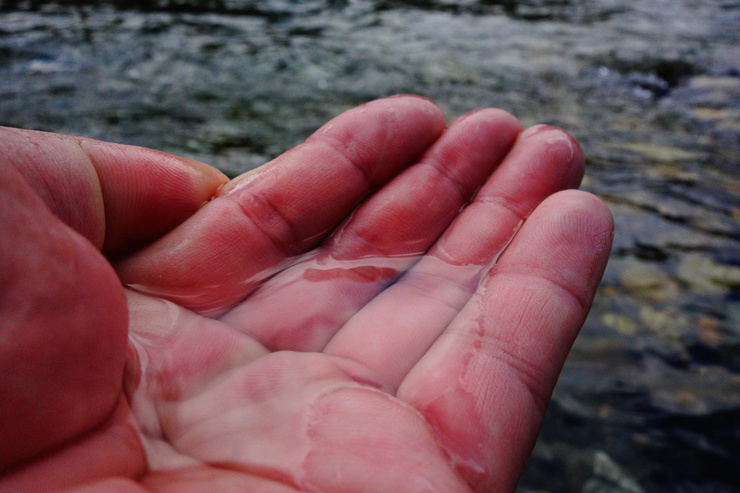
(649, 399)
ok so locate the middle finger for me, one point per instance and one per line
(382, 342)
(303, 307)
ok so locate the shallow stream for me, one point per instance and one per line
(650, 397)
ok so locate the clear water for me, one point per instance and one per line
(649, 399)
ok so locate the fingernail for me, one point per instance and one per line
(555, 138)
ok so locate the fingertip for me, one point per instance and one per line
(415, 109)
(549, 129)
(111, 158)
(483, 136)
(411, 108)
(414, 99)
(204, 177)
(146, 192)
(492, 115)
(597, 222)
(567, 239)
(560, 144)
(583, 208)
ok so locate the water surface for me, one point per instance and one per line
(650, 397)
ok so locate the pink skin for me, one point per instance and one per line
(383, 308)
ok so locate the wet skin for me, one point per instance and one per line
(385, 307)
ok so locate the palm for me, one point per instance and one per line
(281, 343)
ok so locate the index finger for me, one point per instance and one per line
(270, 215)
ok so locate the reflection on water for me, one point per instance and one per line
(649, 399)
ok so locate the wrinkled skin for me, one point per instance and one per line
(385, 307)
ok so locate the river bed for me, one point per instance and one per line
(649, 399)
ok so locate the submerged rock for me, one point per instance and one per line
(609, 477)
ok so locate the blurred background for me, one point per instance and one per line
(649, 400)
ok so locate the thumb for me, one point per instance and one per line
(63, 325)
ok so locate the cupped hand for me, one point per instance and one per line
(385, 307)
